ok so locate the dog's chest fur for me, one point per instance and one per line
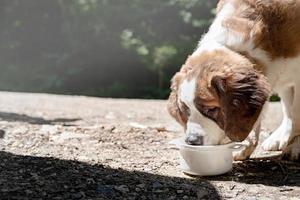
(240, 27)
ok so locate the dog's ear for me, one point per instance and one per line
(177, 109)
(242, 95)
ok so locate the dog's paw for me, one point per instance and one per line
(244, 154)
(274, 143)
(279, 138)
(240, 156)
(292, 152)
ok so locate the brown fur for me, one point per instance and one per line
(176, 108)
(231, 88)
(224, 78)
(274, 24)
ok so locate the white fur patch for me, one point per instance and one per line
(193, 127)
(187, 92)
(217, 35)
(283, 73)
(220, 37)
(280, 137)
(197, 123)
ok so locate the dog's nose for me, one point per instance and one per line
(194, 139)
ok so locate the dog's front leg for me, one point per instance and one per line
(250, 144)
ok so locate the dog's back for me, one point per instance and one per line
(268, 31)
(248, 40)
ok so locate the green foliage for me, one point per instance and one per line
(128, 48)
(162, 56)
(130, 42)
(274, 98)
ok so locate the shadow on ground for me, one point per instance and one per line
(2, 133)
(271, 171)
(27, 177)
(13, 117)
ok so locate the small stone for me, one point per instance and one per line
(239, 174)
(251, 198)
(179, 191)
(28, 192)
(40, 182)
(106, 190)
(172, 198)
(57, 198)
(286, 189)
(160, 129)
(2, 133)
(156, 185)
(122, 188)
(274, 168)
(185, 197)
(141, 185)
(188, 187)
(202, 193)
(78, 195)
(147, 169)
(230, 195)
(90, 180)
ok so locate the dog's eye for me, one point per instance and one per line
(210, 110)
(236, 103)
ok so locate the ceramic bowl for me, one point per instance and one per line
(205, 160)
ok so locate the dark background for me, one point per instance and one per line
(106, 48)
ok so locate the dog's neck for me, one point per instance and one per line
(221, 38)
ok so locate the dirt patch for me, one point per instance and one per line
(63, 147)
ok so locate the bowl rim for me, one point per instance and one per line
(180, 144)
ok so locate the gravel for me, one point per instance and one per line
(69, 147)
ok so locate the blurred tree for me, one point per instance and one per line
(165, 48)
(127, 48)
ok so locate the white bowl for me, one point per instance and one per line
(205, 160)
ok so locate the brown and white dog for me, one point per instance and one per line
(220, 92)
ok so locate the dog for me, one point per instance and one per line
(251, 49)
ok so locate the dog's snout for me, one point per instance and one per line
(194, 139)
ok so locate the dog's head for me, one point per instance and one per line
(217, 94)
